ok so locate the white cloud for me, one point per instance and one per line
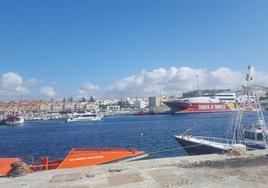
(260, 78)
(151, 82)
(90, 87)
(12, 84)
(87, 90)
(48, 91)
(175, 80)
(30, 82)
(11, 79)
(225, 77)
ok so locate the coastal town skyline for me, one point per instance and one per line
(52, 49)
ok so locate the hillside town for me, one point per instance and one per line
(52, 109)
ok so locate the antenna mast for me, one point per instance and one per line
(259, 110)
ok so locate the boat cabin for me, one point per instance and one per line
(254, 134)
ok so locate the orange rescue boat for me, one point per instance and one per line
(77, 157)
(5, 165)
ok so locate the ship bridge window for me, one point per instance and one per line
(246, 135)
(250, 135)
(259, 136)
(88, 115)
(227, 99)
(225, 95)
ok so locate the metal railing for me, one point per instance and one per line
(215, 139)
(223, 140)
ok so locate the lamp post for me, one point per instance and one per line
(197, 84)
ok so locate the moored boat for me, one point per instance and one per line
(86, 116)
(14, 120)
(221, 102)
(77, 157)
(198, 145)
(5, 165)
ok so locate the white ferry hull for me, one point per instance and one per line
(21, 121)
(97, 118)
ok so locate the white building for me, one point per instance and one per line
(139, 104)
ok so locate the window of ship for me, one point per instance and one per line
(259, 136)
(225, 95)
(253, 136)
(250, 135)
(246, 135)
(227, 99)
(89, 115)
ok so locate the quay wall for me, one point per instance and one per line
(249, 170)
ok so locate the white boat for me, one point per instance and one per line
(254, 137)
(86, 116)
(14, 120)
(199, 145)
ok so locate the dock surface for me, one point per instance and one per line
(249, 170)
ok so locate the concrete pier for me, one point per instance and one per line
(249, 170)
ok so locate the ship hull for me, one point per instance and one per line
(77, 157)
(187, 107)
(17, 122)
(195, 148)
(83, 119)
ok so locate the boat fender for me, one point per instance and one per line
(238, 149)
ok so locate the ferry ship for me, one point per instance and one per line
(86, 116)
(221, 102)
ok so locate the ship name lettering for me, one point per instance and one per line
(203, 107)
(219, 107)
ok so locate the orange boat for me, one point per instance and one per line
(77, 157)
(5, 165)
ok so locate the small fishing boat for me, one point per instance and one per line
(200, 145)
(14, 120)
(77, 157)
(254, 137)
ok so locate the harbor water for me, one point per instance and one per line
(151, 133)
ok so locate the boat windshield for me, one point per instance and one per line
(253, 136)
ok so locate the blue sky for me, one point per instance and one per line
(65, 43)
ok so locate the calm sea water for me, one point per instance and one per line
(149, 133)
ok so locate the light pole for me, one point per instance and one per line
(197, 84)
(160, 93)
